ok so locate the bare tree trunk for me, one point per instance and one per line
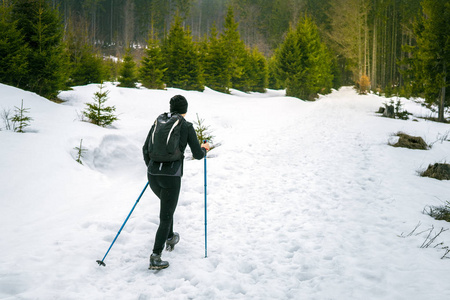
(374, 56)
(129, 22)
(365, 44)
(442, 103)
(111, 33)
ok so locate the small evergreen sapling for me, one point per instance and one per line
(202, 131)
(97, 112)
(20, 120)
(80, 152)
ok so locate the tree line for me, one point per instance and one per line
(305, 46)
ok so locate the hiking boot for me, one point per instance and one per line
(156, 263)
(170, 243)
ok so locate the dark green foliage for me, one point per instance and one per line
(432, 54)
(20, 120)
(86, 63)
(13, 50)
(182, 59)
(153, 65)
(215, 63)
(128, 76)
(111, 66)
(235, 51)
(80, 152)
(304, 63)
(42, 30)
(88, 68)
(274, 81)
(97, 112)
(257, 71)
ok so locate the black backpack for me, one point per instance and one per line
(164, 143)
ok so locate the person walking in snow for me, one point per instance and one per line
(165, 169)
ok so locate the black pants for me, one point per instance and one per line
(167, 189)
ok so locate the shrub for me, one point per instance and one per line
(364, 85)
(410, 142)
(438, 171)
(394, 110)
(439, 212)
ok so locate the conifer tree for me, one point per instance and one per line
(256, 71)
(128, 77)
(216, 64)
(80, 152)
(432, 54)
(20, 120)
(86, 64)
(97, 112)
(153, 65)
(13, 50)
(304, 62)
(235, 50)
(42, 30)
(182, 59)
(88, 67)
(274, 81)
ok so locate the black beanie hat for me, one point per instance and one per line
(178, 104)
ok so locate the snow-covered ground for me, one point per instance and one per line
(306, 200)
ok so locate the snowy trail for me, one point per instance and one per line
(305, 201)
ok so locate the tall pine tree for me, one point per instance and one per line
(13, 50)
(235, 51)
(153, 65)
(304, 62)
(182, 59)
(216, 64)
(433, 53)
(42, 30)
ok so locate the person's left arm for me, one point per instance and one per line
(198, 152)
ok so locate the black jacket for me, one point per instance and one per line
(187, 137)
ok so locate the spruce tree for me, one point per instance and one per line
(13, 50)
(128, 77)
(256, 71)
(86, 63)
(182, 59)
(153, 65)
(216, 64)
(274, 81)
(20, 120)
(97, 112)
(88, 67)
(235, 51)
(304, 62)
(42, 30)
(432, 54)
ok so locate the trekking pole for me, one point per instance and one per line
(206, 240)
(101, 262)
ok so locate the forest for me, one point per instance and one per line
(307, 47)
